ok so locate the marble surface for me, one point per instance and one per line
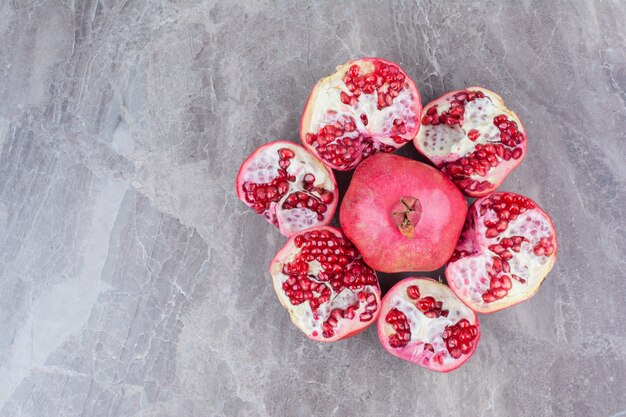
(134, 283)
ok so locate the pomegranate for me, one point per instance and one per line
(473, 138)
(321, 279)
(507, 248)
(402, 215)
(367, 105)
(422, 321)
(289, 186)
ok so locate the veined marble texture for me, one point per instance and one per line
(134, 283)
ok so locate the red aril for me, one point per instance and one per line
(473, 138)
(507, 248)
(423, 322)
(321, 279)
(289, 186)
(402, 215)
(368, 105)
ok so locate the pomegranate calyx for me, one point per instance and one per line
(406, 213)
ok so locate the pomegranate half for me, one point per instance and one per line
(321, 279)
(473, 138)
(507, 248)
(289, 186)
(402, 215)
(423, 322)
(367, 105)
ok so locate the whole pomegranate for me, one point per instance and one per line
(289, 186)
(473, 138)
(422, 321)
(367, 105)
(507, 248)
(402, 215)
(321, 279)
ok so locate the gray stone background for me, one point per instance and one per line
(134, 283)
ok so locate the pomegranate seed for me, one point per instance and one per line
(459, 338)
(425, 304)
(473, 134)
(413, 292)
(286, 153)
(491, 233)
(400, 324)
(506, 282)
(488, 297)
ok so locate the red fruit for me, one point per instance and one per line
(473, 138)
(321, 279)
(402, 215)
(436, 331)
(289, 186)
(507, 248)
(367, 105)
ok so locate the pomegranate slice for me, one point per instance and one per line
(367, 105)
(422, 321)
(321, 279)
(507, 248)
(402, 215)
(473, 138)
(289, 186)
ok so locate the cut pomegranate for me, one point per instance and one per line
(402, 215)
(289, 186)
(507, 248)
(473, 138)
(321, 279)
(422, 321)
(367, 105)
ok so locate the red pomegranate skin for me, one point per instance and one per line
(378, 186)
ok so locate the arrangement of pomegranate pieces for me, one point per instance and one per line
(422, 321)
(367, 105)
(399, 214)
(402, 215)
(321, 279)
(473, 138)
(290, 187)
(507, 248)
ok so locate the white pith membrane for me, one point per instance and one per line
(326, 108)
(468, 276)
(443, 144)
(310, 322)
(426, 330)
(263, 168)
